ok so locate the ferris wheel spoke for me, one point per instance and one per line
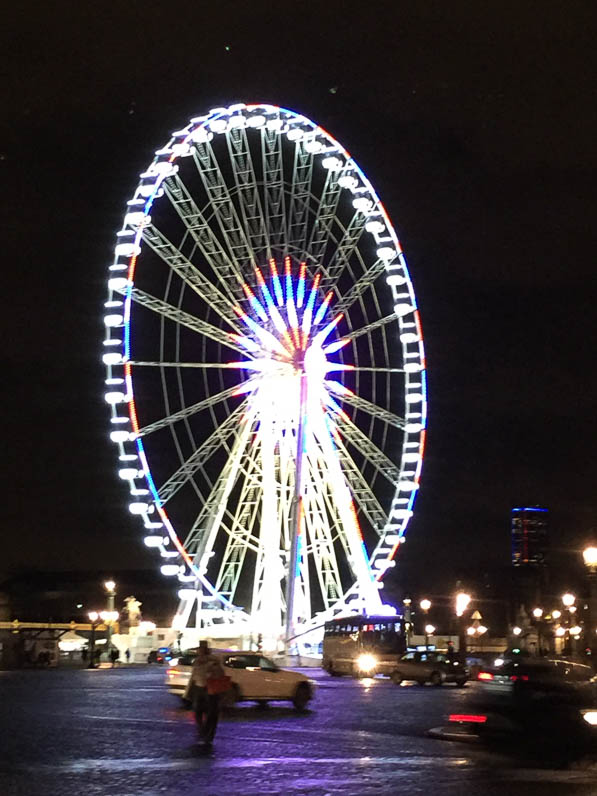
(221, 202)
(240, 536)
(360, 286)
(370, 327)
(298, 215)
(190, 410)
(246, 185)
(361, 490)
(183, 318)
(203, 533)
(194, 220)
(162, 364)
(322, 546)
(274, 198)
(322, 225)
(347, 245)
(370, 408)
(190, 274)
(217, 439)
(369, 449)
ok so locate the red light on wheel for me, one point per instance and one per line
(485, 676)
(469, 718)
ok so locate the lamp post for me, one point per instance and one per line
(462, 601)
(538, 617)
(110, 587)
(568, 601)
(429, 631)
(589, 555)
(425, 605)
(407, 603)
(94, 618)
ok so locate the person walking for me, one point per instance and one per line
(127, 655)
(207, 681)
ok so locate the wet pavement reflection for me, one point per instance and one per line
(119, 733)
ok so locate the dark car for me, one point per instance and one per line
(545, 702)
(430, 667)
(155, 656)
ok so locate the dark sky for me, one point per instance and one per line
(477, 124)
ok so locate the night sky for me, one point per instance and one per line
(476, 123)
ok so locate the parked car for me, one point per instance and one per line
(429, 667)
(254, 678)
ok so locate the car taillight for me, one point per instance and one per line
(515, 677)
(485, 676)
(470, 718)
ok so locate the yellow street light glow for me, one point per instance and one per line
(481, 629)
(576, 630)
(425, 604)
(568, 599)
(590, 716)
(462, 601)
(109, 585)
(516, 631)
(93, 616)
(556, 614)
(590, 556)
(470, 631)
(538, 613)
(429, 629)
(560, 631)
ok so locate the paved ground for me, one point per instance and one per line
(118, 733)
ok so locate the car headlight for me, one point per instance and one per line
(590, 716)
(173, 661)
(366, 662)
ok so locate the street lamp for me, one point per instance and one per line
(568, 599)
(537, 613)
(429, 631)
(110, 587)
(556, 614)
(425, 605)
(516, 631)
(589, 555)
(94, 618)
(462, 601)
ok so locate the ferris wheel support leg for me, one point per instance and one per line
(297, 510)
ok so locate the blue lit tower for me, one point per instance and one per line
(528, 531)
(529, 536)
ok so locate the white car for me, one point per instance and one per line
(254, 678)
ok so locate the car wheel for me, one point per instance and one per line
(231, 697)
(329, 667)
(422, 682)
(262, 704)
(396, 678)
(461, 683)
(302, 695)
(435, 679)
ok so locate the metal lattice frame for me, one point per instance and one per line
(205, 447)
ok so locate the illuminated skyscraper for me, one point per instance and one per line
(529, 536)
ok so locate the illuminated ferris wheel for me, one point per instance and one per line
(265, 371)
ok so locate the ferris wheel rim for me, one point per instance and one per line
(119, 285)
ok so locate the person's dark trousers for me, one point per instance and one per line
(207, 711)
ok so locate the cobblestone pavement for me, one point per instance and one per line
(119, 733)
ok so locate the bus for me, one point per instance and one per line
(363, 645)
